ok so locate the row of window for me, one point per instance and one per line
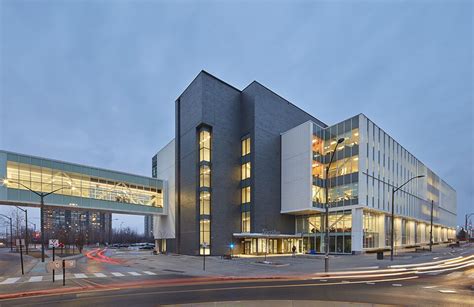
(245, 191)
(43, 179)
(204, 195)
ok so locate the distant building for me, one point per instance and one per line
(148, 226)
(65, 225)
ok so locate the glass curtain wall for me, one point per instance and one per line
(342, 178)
(43, 179)
(340, 232)
(245, 186)
(205, 190)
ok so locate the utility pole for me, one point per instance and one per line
(42, 195)
(431, 226)
(326, 186)
(393, 213)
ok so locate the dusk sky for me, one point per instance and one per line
(94, 82)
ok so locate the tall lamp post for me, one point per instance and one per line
(26, 229)
(11, 231)
(42, 195)
(326, 237)
(393, 212)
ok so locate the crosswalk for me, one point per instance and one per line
(40, 278)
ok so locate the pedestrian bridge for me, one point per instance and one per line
(76, 186)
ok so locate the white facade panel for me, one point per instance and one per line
(296, 162)
(164, 226)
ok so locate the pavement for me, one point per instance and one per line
(109, 275)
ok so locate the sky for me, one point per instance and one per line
(94, 82)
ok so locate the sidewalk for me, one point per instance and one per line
(286, 265)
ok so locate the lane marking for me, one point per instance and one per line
(58, 277)
(35, 278)
(80, 275)
(149, 273)
(134, 273)
(10, 280)
(447, 291)
(429, 287)
(100, 275)
(370, 283)
(117, 274)
(397, 285)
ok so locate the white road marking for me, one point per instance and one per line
(397, 285)
(134, 273)
(100, 275)
(370, 283)
(10, 280)
(323, 280)
(367, 267)
(35, 278)
(80, 275)
(117, 274)
(58, 277)
(447, 291)
(429, 287)
(149, 273)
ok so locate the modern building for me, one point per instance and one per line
(247, 169)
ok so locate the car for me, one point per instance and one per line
(147, 247)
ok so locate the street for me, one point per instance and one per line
(429, 290)
(127, 277)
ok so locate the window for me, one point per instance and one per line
(245, 195)
(204, 176)
(245, 146)
(205, 203)
(204, 145)
(245, 171)
(246, 221)
(204, 196)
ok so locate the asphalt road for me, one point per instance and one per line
(444, 289)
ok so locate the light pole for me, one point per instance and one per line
(326, 237)
(393, 211)
(11, 231)
(42, 195)
(34, 231)
(26, 229)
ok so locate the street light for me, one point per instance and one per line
(326, 237)
(26, 229)
(11, 231)
(393, 211)
(42, 195)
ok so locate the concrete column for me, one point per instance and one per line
(411, 238)
(381, 225)
(357, 230)
(398, 232)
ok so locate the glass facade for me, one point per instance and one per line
(312, 229)
(45, 179)
(342, 176)
(205, 142)
(246, 189)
